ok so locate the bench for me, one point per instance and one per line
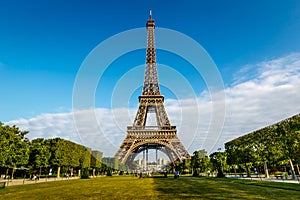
(2, 184)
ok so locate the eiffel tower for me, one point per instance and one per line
(163, 136)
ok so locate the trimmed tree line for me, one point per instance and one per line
(46, 157)
(274, 149)
(275, 145)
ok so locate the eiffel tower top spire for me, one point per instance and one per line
(151, 86)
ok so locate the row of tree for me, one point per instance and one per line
(200, 163)
(276, 147)
(14, 147)
(278, 144)
(58, 156)
(47, 156)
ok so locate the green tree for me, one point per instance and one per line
(69, 155)
(288, 134)
(218, 160)
(39, 154)
(273, 145)
(96, 158)
(199, 162)
(14, 147)
(186, 165)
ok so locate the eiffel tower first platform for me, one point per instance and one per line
(163, 136)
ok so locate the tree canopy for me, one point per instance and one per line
(41, 154)
(275, 144)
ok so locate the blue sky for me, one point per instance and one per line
(43, 44)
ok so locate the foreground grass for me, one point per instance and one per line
(128, 187)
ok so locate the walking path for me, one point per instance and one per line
(283, 180)
(28, 181)
(42, 180)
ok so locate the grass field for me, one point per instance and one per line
(129, 187)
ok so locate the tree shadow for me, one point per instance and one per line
(215, 188)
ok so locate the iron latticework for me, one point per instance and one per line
(162, 136)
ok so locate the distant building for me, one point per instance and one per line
(111, 162)
(162, 161)
(152, 166)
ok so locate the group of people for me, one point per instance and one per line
(140, 174)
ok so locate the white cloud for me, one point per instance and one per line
(270, 95)
(274, 94)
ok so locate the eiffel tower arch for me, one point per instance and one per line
(162, 136)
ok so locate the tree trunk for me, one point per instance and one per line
(298, 169)
(234, 169)
(266, 170)
(79, 172)
(12, 173)
(292, 169)
(6, 173)
(58, 172)
(247, 170)
(40, 171)
(94, 172)
(220, 173)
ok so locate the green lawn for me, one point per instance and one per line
(129, 187)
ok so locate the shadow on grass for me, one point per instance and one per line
(219, 188)
(277, 185)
